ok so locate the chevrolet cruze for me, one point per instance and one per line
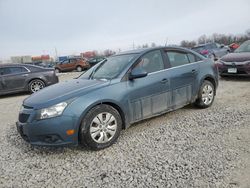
(125, 88)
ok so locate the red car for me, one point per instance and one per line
(233, 46)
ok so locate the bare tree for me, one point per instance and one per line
(153, 45)
(188, 44)
(219, 38)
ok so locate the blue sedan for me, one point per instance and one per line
(123, 89)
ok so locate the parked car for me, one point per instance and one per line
(109, 97)
(21, 77)
(212, 50)
(78, 64)
(95, 60)
(236, 63)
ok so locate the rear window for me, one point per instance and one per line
(191, 58)
(199, 48)
(177, 58)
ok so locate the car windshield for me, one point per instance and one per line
(109, 68)
(245, 47)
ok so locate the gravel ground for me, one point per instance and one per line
(185, 148)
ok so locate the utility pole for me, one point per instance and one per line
(56, 53)
(166, 42)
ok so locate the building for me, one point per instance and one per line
(21, 59)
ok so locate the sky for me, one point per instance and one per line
(36, 27)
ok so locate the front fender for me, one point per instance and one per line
(80, 107)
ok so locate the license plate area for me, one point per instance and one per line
(232, 70)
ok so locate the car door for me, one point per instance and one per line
(72, 64)
(183, 77)
(14, 78)
(149, 95)
(64, 65)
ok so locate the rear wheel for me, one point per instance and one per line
(100, 127)
(206, 95)
(36, 85)
(79, 69)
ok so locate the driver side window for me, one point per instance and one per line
(151, 62)
(65, 62)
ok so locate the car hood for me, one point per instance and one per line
(236, 57)
(62, 92)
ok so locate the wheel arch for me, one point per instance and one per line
(210, 79)
(107, 102)
(35, 78)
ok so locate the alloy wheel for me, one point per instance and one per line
(36, 86)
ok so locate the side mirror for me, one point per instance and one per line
(137, 73)
(222, 46)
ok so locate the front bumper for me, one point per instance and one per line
(241, 70)
(48, 132)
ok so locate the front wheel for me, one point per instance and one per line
(206, 95)
(100, 127)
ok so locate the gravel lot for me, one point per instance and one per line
(185, 148)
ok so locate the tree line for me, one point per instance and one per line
(219, 38)
(225, 39)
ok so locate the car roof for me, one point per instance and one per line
(144, 50)
(201, 45)
(11, 64)
(17, 64)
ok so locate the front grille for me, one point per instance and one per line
(27, 107)
(23, 118)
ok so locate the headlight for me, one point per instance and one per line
(52, 111)
(220, 61)
(247, 63)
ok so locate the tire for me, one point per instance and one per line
(36, 85)
(79, 69)
(57, 70)
(206, 95)
(98, 133)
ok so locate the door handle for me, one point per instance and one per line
(165, 80)
(194, 71)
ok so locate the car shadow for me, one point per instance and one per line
(14, 95)
(236, 78)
